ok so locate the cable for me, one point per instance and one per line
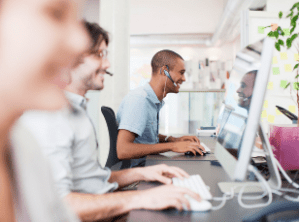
(263, 182)
(255, 197)
(267, 191)
(165, 86)
(223, 199)
(291, 182)
(285, 175)
(289, 190)
(290, 198)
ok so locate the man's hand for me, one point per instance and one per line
(187, 138)
(166, 196)
(190, 138)
(186, 146)
(162, 173)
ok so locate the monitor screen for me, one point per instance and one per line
(238, 99)
(238, 122)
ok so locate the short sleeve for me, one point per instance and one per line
(132, 115)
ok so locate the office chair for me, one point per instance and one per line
(112, 126)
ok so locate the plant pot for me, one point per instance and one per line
(284, 140)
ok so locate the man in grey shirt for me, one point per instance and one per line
(69, 141)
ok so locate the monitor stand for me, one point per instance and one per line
(253, 187)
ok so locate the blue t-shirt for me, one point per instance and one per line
(139, 114)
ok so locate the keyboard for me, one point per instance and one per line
(194, 183)
(207, 150)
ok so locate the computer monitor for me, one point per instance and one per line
(240, 121)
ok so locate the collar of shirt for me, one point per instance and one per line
(152, 96)
(76, 100)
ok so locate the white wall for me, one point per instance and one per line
(91, 14)
(114, 17)
(279, 5)
(91, 11)
(174, 16)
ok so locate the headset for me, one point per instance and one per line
(169, 76)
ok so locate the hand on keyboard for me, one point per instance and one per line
(186, 146)
(161, 173)
(187, 138)
(204, 151)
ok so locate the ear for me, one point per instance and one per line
(161, 71)
(165, 67)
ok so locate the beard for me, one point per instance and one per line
(90, 84)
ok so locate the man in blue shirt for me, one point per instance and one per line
(138, 114)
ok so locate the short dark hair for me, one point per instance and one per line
(164, 57)
(97, 34)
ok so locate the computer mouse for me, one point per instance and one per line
(189, 153)
(203, 205)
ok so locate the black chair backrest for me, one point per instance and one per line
(112, 126)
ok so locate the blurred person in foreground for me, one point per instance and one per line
(70, 143)
(39, 40)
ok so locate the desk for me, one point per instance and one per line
(211, 175)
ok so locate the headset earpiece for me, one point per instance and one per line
(169, 76)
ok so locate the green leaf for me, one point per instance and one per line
(276, 34)
(296, 85)
(296, 66)
(280, 31)
(271, 34)
(281, 42)
(291, 14)
(295, 5)
(293, 23)
(295, 18)
(280, 14)
(277, 46)
(286, 32)
(288, 43)
(287, 85)
(294, 36)
(292, 29)
(296, 76)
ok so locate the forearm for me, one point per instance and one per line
(132, 150)
(6, 198)
(126, 177)
(93, 207)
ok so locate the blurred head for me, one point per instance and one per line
(39, 42)
(172, 63)
(92, 66)
(246, 89)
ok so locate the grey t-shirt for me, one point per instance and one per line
(68, 140)
(35, 196)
